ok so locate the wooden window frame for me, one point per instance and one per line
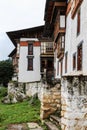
(63, 41)
(78, 21)
(61, 65)
(30, 57)
(30, 49)
(66, 61)
(79, 57)
(74, 61)
(61, 13)
(30, 63)
(57, 67)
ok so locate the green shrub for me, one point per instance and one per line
(3, 92)
(1, 117)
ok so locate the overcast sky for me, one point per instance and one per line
(15, 15)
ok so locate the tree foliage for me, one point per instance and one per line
(6, 71)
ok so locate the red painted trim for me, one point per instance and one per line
(37, 43)
(23, 43)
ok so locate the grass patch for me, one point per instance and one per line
(19, 113)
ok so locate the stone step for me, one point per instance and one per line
(56, 120)
(51, 126)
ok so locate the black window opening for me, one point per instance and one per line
(30, 49)
(57, 67)
(74, 61)
(30, 56)
(79, 57)
(78, 22)
(30, 63)
(66, 60)
(61, 71)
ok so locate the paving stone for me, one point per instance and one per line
(25, 126)
(17, 127)
(37, 129)
(34, 126)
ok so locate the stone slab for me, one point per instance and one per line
(51, 126)
(17, 127)
(34, 126)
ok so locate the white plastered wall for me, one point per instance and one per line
(29, 76)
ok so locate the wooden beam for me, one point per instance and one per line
(60, 4)
(57, 4)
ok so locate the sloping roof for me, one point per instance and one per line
(12, 53)
(35, 32)
(49, 6)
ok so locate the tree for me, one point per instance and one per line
(6, 71)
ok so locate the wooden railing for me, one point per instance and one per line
(47, 48)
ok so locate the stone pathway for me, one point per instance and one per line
(24, 126)
(34, 126)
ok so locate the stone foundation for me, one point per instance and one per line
(50, 101)
(74, 103)
(32, 88)
(50, 97)
(15, 93)
(35, 87)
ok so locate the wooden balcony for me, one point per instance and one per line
(48, 51)
(58, 30)
(60, 53)
(47, 48)
(56, 6)
(76, 4)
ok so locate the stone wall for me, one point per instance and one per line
(50, 97)
(35, 87)
(19, 91)
(74, 103)
(15, 93)
(51, 101)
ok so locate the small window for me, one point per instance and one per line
(30, 49)
(30, 63)
(79, 57)
(61, 70)
(78, 22)
(63, 41)
(57, 67)
(30, 58)
(66, 59)
(74, 61)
